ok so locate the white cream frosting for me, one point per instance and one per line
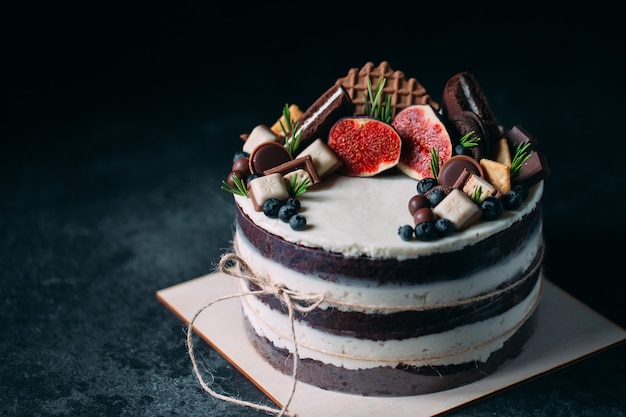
(361, 216)
(472, 342)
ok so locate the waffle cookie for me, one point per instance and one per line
(403, 92)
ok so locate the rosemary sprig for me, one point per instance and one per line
(373, 101)
(292, 135)
(434, 162)
(239, 188)
(299, 185)
(520, 157)
(478, 192)
(470, 140)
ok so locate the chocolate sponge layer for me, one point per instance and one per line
(407, 324)
(388, 381)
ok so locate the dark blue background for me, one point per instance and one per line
(119, 124)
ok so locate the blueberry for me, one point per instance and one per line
(251, 177)
(297, 222)
(435, 196)
(286, 212)
(425, 231)
(522, 188)
(462, 150)
(512, 199)
(271, 207)
(491, 207)
(425, 184)
(405, 232)
(240, 154)
(444, 227)
(294, 202)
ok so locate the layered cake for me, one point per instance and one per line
(391, 245)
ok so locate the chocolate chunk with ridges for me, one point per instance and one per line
(453, 168)
(268, 155)
(317, 120)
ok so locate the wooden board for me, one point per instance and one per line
(567, 331)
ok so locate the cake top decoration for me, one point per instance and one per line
(374, 121)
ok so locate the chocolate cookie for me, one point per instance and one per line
(403, 92)
(318, 118)
(461, 93)
(466, 122)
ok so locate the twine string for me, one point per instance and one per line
(294, 301)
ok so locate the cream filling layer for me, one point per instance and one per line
(469, 343)
(361, 216)
(359, 295)
(321, 110)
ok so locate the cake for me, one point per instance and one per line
(389, 244)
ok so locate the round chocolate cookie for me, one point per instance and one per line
(466, 122)
(452, 169)
(266, 156)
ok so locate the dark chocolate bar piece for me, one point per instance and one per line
(304, 162)
(317, 120)
(534, 169)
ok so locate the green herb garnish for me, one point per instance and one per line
(434, 162)
(373, 101)
(520, 158)
(292, 135)
(239, 188)
(478, 192)
(469, 140)
(299, 185)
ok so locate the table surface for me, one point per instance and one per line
(110, 191)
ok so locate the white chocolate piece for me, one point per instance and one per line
(497, 173)
(459, 208)
(474, 183)
(301, 175)
(324, 159)
(259, 135)
(265, 187)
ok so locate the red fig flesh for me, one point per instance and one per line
(365, 145)
(421, 129)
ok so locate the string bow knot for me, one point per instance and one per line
(233, 265)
